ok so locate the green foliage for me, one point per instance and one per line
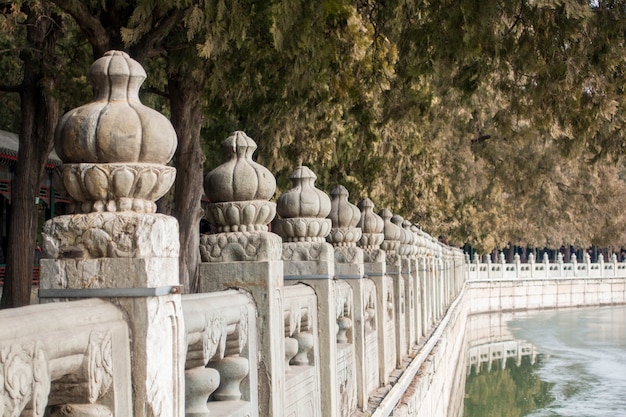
(490, 122)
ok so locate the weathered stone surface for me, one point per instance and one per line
(240, 246)
(239, 178)
(241, 216)
(371, 224)
(117, 187)
(307, 251)
(111, 235)
(115, 127)
(63, 354)
(344, 216)
(303, 200)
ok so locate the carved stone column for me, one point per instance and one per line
(310, 259)
(392, 247)
(407, 257)
(349, 267)
(116, 247)
(415, 268)
(242, 253)
(375, 266)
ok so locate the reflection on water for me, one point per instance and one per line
(580, 369)
(510, 392)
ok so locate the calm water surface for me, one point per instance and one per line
(580, 369)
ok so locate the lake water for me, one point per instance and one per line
(574, 365)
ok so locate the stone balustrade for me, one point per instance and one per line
(219, 377)
(321, 314)
(66, 359)
(477, 270)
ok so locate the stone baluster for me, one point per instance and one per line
(349, 266)
(218, 349)
(424, 282)
(417, 273)
(402, 287)
(116, 247)
(309, 259)
(410, 276)
(375, 266)
(242, 253)
(232, 368)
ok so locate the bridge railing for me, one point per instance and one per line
(49, 364)
(478, 270)
(321, 316)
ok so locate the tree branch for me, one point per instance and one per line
(160, 30)
(90, 25)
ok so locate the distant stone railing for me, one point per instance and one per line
(477, 270)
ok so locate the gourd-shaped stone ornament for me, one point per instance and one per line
(115, 148)
(116, 127)
(408, 227)
(303, 209)
(393, 233)
(239, 178)
(344, 216)
(371, 225)
(303, 200)
(404, 248)
(239, 189)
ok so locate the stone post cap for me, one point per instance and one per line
(344, 217)
(116, 127)
(371, 224)
(239, 178)
(303, 210)
(304, 199)
(115, 148)
(342, 212)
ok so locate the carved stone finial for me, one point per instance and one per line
(371, 225)
(115, 148)
(393, 233)
(239, 211)
(344, 216)
(115, 127)
(303, 200)
(239, 178)
(239, 189)
(408, 228)
(303, 210)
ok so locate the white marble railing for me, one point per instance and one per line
(49, 364)
(220, 371)
(477, 270)
(321, 316)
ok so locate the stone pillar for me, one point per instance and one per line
(349, 267)
(391, 245)
(242, 253)
(116, 247)
(375, 267)
(408, 251)
(309, 259)
(415, 267)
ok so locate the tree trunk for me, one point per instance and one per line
(186, 92)
(39, 116)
